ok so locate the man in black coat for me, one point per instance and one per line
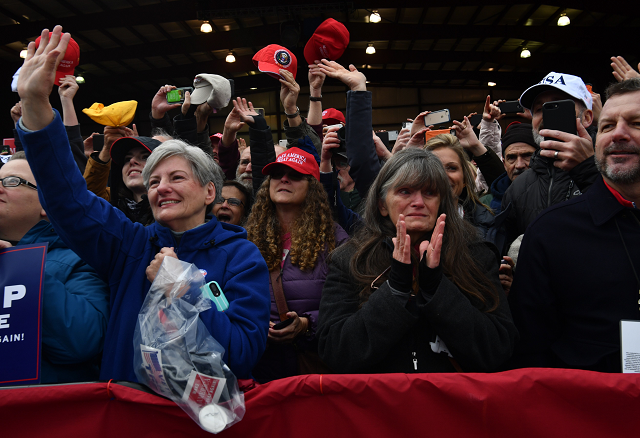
(564, 166)
(579, 262)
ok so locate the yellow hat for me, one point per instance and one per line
(117, 114)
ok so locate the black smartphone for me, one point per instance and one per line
(384, 136)
(475, 120)
(98, 142)
(510, 107)
(283, 324)
(559, 115)
(177, 95)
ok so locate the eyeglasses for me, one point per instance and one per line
(511, 158)
(291, 174)
(15, 181)
(235, 202)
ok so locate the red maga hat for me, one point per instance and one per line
(332, 116)
(272, 58)
(69, 62)
(296, 159)
(329, 41)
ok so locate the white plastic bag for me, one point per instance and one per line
(176, 356)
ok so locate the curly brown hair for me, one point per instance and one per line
(312, 232)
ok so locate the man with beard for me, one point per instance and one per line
(244, 170)
(564, 166)
(578, 271)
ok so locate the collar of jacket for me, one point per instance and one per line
(205, 236)
(42, 232)
(602, 204)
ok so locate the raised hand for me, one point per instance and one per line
(352, 78)
(467, 137)
(159, 104)
(418, 123)
(38, 75)
(245, 110)
(329, 142)
(432, 248)
(316, 77)
(491, 111)
(622, 70)
(402, 242)
(68, 87)
(289, 90)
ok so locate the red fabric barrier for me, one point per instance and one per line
(519, 403)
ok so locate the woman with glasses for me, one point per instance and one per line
(292, 226)
(409, 294)
(234, 205)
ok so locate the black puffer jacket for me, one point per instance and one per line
(542, 186)
(387, 335)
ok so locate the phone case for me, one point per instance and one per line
(510, 107)
(214, 292)
(437, 117)
(559, 115)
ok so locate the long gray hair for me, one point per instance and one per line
(417, 168)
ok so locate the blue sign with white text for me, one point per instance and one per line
(21, 290)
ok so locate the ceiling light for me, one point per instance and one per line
(490, 69)
(253, 88)
(370, 49)
(491, 84)
(23, 53)
(80, 79)
(206, 27)
(563, 20)
(375, 17)
(230, 58)
(525, 53)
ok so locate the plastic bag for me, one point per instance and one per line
(176, 356)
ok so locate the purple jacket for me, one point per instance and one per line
(303, 290)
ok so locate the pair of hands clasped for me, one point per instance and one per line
(430, 249)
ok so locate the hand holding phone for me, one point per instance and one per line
(283, 324)
(177, 95)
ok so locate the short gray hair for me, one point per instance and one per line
(204, 168)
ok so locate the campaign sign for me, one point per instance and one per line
(21, 290)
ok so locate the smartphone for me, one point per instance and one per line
(384, 136)
(177, 95)
(283, 324)
(215, 294)
(437, 117)
(283, 143)
(393, 135)
(559, 115)
(510, 107)
(475, 120)
(260, 111)
(98, 142)
(407, 125)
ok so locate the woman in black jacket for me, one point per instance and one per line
(406, 295)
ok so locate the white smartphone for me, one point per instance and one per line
(282, 143)
(437, 117)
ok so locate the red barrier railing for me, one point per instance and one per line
(520, 403)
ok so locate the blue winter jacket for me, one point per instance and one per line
(75, 312)
(120, 251)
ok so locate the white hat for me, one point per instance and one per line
(213, 89)
(569, 84)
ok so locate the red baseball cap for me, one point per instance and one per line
(332, 116)
(296, 159)
(217, 137)
(69, 62)
(272, 58)
(329, 41)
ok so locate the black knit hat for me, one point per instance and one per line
(518, 133)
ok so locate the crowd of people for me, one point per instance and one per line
(469, 251)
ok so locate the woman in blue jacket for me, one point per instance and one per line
(183, 183)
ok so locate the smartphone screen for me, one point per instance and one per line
(177, 95)
(559, 115)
